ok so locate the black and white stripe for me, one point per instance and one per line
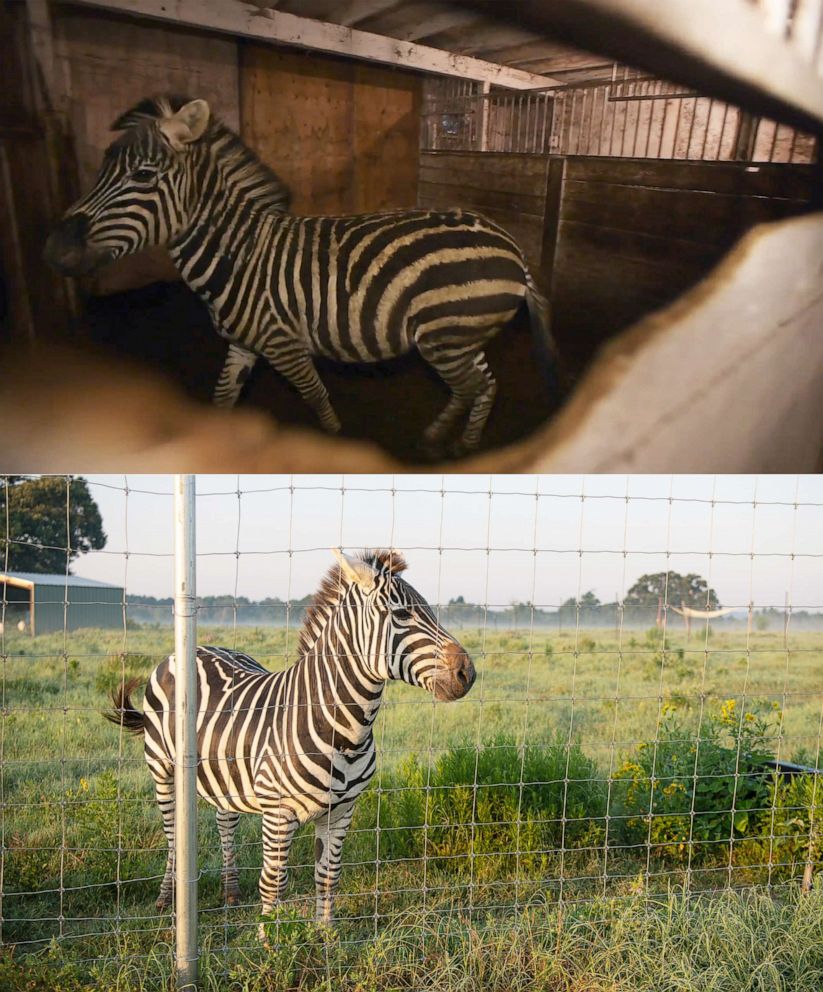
(356, 288)
(297, 745)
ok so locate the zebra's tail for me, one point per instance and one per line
(548, 355)
(124, 714)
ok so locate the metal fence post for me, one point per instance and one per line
(185, 727)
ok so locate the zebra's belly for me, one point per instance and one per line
(225, 786)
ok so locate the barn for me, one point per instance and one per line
(41, 603)
(659, 169)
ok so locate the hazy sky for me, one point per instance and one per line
(538, 538)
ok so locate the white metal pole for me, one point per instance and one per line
(185, 729)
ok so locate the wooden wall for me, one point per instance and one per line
(507, 188)
(33, 299)
(343, 135)
(632, 235)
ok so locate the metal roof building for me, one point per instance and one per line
(44, 603)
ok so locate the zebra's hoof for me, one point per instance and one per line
(163, 903)
(232, 898)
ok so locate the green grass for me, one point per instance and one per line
(751, 942)
(496, 803)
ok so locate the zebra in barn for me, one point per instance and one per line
(297, 745)
(352, 288)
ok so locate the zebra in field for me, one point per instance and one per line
(297, 745)
(353, 288)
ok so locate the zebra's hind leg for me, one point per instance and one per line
(236, 370)
(226, 825)
(473, 389)
(279, 826)
(164, 792)
(290, 358)
(329, 833)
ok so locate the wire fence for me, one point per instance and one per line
(617, 741)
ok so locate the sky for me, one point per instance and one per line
(490, 539)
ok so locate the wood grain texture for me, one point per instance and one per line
(507, 188)
(635, 234)
(342, 135)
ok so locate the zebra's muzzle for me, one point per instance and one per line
(455, 676)
(67, 250)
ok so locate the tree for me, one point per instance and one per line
(690, 590)
(47, 522)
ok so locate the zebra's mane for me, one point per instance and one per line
(261, 183)
(331, 588)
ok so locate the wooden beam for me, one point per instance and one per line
(722, 50)
(238, 18)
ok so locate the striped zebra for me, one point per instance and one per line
(297, 745)
(353, 288)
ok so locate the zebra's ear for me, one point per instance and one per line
(355, 570)
(187, 125)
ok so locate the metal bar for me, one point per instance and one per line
(707, 129)
(185, 733)
(650, 96)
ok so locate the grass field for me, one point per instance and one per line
(495, 814)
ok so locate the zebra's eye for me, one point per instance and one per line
(144, 175)
(403, 614)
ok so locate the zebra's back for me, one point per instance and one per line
(234, 695)
(365, 288)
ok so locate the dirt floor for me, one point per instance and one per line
(165, 326)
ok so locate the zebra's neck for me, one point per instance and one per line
(335, 677)
(234, 196)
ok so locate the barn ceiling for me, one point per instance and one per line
(454, 27)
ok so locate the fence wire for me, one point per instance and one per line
(612, 746)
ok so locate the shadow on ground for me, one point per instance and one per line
(165, 326)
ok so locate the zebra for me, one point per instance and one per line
(297, 745)
(352, 288)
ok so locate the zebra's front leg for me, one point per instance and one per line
(234, 374)
(226, 825)
(329, 833)
(279, 826)
(164, 793)
(289, 357)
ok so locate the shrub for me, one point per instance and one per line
(680, 789)
(480, 810)
(791, 828)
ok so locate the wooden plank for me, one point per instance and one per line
(705, 218)
(658, 248)
(503, 175)
(496, 163)
(342, 135)
(480, 198)
(776, 181)
(386, 137)
(242, 20)
(297, 115)
(551, 218)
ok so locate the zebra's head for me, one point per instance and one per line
(144, 189)
(402, 638)
(173, 164)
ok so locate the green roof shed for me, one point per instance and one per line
(42, 603)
